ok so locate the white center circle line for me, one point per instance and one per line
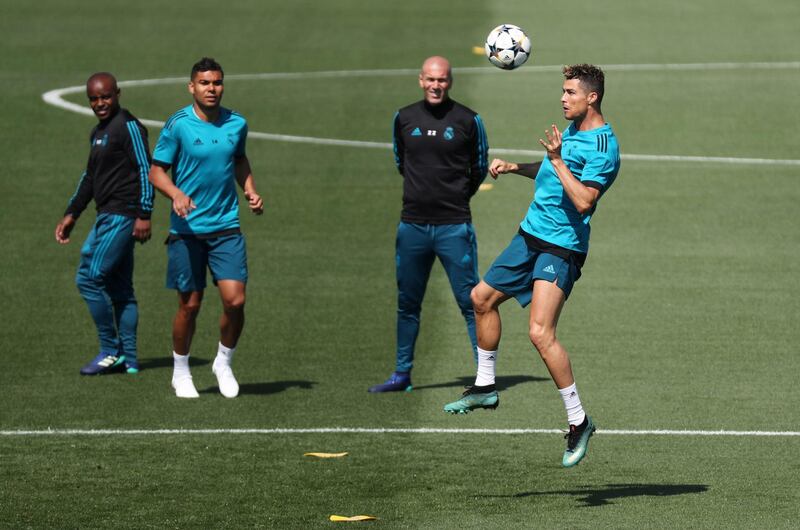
(55, 98)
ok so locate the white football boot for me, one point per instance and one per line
(184, 387)
(228, 386)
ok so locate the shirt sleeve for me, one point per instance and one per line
(599, 172)
(397, 141)
(166, 148)
(139, 152)
(479, 158)
(241, 145)
(82, 196)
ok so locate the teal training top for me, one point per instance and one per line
(202, 156)
(593, 158)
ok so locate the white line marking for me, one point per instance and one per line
(55, 98)
(357, 430)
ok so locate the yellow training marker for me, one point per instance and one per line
(326, 455)
(486, 186)
(353, 519)
(478, 50)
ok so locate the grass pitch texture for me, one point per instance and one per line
(685, 318)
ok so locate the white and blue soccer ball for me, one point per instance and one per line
(507, 46)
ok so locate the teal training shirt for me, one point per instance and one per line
(202, 156)
(593, 158)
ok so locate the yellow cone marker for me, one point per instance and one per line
(326, 455)
(353, 519)
(478, 50)
(486, 186)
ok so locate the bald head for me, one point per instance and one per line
(437, 63)
(103, 78)
(103, 94)
(436, 79)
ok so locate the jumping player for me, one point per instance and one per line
(544, 259)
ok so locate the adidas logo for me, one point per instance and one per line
(549, 269)
(416, 132)
(108, 360)
(198, 141)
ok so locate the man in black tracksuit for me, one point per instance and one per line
(441, 150)
(116, 178)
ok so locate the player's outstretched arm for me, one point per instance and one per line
(64, 229)
(244, 176)
(182, 204)
(500, 167)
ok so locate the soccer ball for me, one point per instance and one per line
(507, 46)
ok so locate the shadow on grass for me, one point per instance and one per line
(603, 495)
(152, 364)
(273, 387)
(502, 382)
(166, 362)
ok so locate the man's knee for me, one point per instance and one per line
(232, 295)
(484, 298)
(85, 280)
(409, 303)
(233, 303)
(464, 300)
(190, 308)
(542, 337)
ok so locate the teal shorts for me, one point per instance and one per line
(515, 269)
(189, 257)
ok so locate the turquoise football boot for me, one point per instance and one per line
(484, 397)
(131, 365)
(578, 442)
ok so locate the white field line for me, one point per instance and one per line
(55, 98)
(358, 430)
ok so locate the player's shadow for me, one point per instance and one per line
(275, 387)
(502, 382)
(167, 362)
(272, 387)
(589, 496)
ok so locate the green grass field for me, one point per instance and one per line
(685, 318)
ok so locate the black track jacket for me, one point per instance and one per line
(116, 173)
(442, 153)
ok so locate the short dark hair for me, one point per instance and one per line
(590, 76)
(206, 64)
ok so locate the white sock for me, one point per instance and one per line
(572, 402)
(180, 366)
(224, 355)
(486, 362)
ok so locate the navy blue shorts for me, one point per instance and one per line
(188, 258)
(515, 269)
